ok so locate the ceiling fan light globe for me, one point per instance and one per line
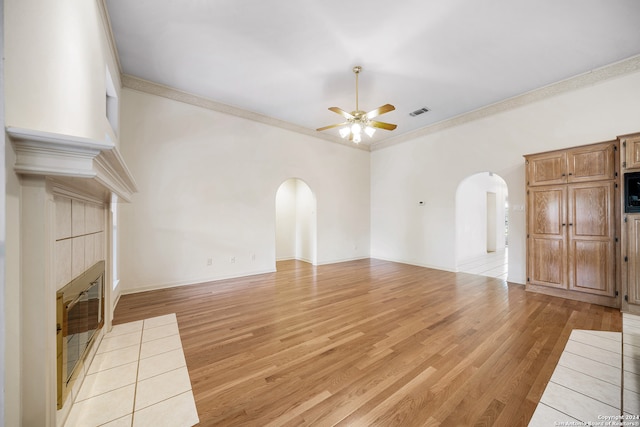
(356, 129)
(356, 138)
(369, 131)
(345, 131)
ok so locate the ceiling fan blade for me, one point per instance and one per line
(341, 112)
(332, 126)
(382, 125)
(380, 110)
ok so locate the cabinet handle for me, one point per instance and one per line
(570, 174)
(571, 224)
(564, 225)
(564, 174)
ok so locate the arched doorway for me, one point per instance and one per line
(295, 222)
(482, 225)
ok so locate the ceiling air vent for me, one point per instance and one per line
(418, 112)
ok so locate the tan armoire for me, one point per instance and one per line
(572, 223)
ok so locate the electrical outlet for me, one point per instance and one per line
(253, 257)
(209, 261)
(233, 260)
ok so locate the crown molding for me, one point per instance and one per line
(627, 66)
(617, 69)
(95, 166)
(146, 86)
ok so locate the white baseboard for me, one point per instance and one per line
(191, 282)
(416, 263)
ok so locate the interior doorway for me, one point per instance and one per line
(492, 212)
(296, 222)
(482, 218)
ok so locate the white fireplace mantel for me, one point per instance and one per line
(94, 165)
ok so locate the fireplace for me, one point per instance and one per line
(80, 315)
(54, 248)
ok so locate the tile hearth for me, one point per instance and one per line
(138, 377)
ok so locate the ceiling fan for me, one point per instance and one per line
(359, 121)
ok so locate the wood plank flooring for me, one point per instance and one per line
(367, 343)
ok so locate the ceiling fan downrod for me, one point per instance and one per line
(357, 70)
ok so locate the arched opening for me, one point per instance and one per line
(482, 225)
(295, 222)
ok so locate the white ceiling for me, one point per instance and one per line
(291, 60)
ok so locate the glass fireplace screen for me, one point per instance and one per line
(80, 314)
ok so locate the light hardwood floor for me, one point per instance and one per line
(367, 342)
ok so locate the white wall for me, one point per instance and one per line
(2, 226)
(471, 214)
(207, 184)
(56, 60)
(430, 168)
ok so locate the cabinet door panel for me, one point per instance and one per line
(547, 215)
(547, 262)
(633, 233)
(591, 214)
(633, 277)
(594, 162)
(591, 234)
(592, 267)
(547, 169)
(632, 152)
(547, 235)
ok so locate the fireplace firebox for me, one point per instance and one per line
(80, 315)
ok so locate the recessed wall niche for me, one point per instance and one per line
(111, 97)
(296, 222)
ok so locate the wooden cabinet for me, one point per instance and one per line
(633, 259)
(631, 151)
(572, 236)
(580, 164)
(630, 158)
(572, 223)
